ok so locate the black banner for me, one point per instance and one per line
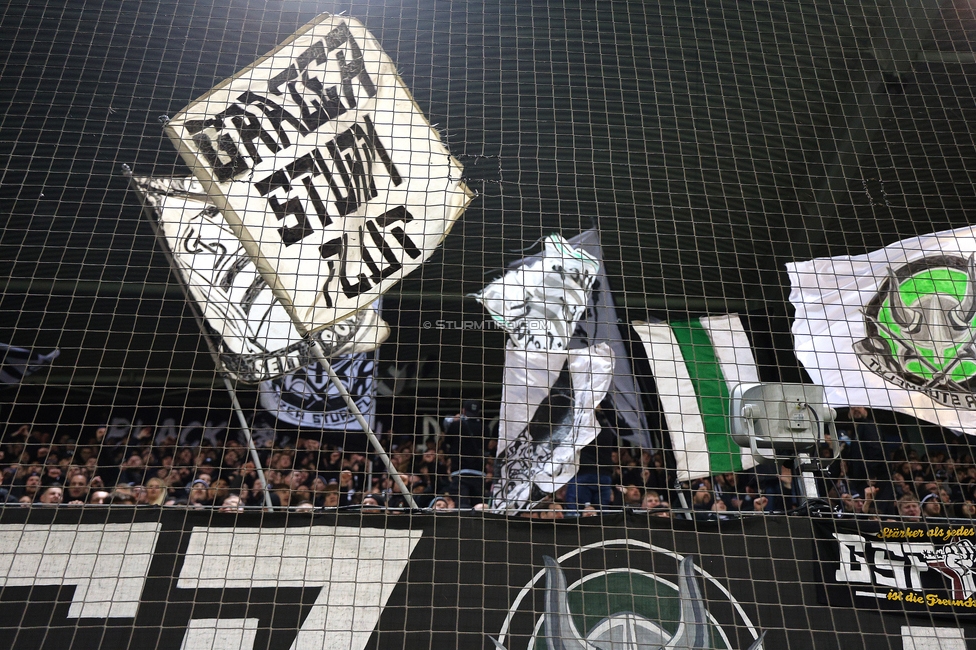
(177, 579)
(920, 568)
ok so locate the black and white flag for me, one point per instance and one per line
(306, 397)
(17, 363)
(894, 328)
(251, 335)
(325, 168)
(599, 324)
(548, 415)
(540, 301)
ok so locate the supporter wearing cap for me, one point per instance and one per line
(373, 503)
(932, 506)
(198, 493)
(442, 503)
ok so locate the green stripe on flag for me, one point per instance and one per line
(712, 393)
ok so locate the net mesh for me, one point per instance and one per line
(656, 215)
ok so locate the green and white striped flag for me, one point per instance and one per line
(695, 364)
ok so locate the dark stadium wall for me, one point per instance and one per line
(710, 142)
(155, 578)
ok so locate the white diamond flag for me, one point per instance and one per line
(325, 168)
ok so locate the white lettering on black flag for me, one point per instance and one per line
(306, 398)
(326, 169)
(249, 331)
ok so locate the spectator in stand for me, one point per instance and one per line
(464, 438)
(867, 452)
(852, 503)
(442, 502)
(198, 494)
(330, 498)
(317, 489)
(30, 488)
(593, 482)
(631, 495)
(122, 498)
(783, 490)
(909, 508)
(704, 504)
(218, 491)
(77, 490)
(870, 506)
(156, 492)
(946, 499)
(281, 494)
(7, 483)
(373, 503)
(347, 487)
(653, 472)
(552, 510)
(232, 503)
(52, 495)
(255, 495)
(52, 475)
(931, 506)
(630, 470)
(726, 491)
(966, 509)
(464, 444)
(653, 503)
(133, 471)
(331, 464)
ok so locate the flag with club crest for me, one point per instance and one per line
(548, 415)
(599, 324)
(249, 332)
(895, 328)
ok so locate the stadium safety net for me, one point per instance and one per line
(502, 324)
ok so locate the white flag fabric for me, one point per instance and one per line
(250, 333)
(695, 365)
(307, 398)
(325, 168)
(547, 416)
(893, 329)
(599, 325)
(540, 302)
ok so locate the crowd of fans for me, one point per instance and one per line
(875, 476)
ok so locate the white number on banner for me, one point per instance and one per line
(107, 563)
(356, 568)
